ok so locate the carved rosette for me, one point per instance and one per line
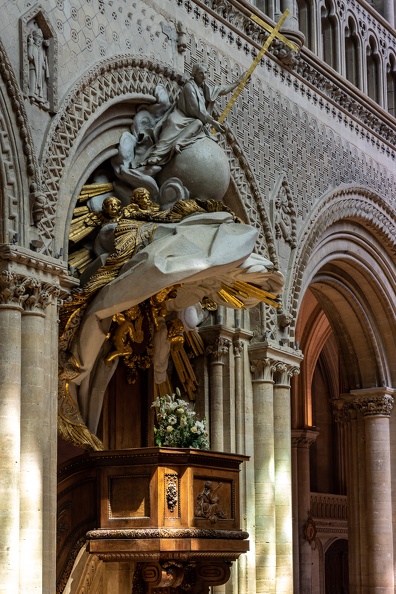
(26, 293)
(375, 406)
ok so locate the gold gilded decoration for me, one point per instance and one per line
(239, 289)
(274, 33)
(131, 335)
(83, 225)
(158, 303)
(91, 190)
(208, 503)
(180, 359)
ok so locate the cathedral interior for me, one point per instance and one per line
(197, 296)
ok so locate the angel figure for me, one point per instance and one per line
(128, 331)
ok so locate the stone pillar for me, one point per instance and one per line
(51, 451)
(217, 352)
(302, 439)
(28, 282)
(35, 406)
(376, 406)
(345, 416)
(12, 295)
(263, 431)
(283, 476)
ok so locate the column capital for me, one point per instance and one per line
(26, 293)
(238, 347)
(373, 402)
(283, 372)
(343, 410)
(217, 349)
(303, 438)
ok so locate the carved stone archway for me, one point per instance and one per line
(114, 81)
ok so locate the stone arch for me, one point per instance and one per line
(19, 173)
(119, 81)
(346, 257)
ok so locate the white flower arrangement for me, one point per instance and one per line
(177, 425)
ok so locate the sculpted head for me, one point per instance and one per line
(141, 197)
(199, 72)
(111, 207)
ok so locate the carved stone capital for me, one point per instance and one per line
(218, 349)
(283, 372)
(343, 411)
(303, 438)
(238, 347)
(26, 293)
(375, 406)
(261, 369)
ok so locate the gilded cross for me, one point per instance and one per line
(273, 33)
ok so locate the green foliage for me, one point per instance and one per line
(177, 425)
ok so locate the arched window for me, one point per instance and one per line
(373, 71)
(352, 53)
(329, 35)
(305, 20)
(391, 85)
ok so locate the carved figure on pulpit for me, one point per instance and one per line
(173, 142)
(165, 260)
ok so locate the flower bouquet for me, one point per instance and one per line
(177, 425)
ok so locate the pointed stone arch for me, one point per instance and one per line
(19, 173)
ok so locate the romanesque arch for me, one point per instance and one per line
(94, 113)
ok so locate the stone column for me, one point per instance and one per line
(302, 439)
(263, 431)
(28, 282)
(376, 406)
(35, 407)
(345, 416)
(12, 296)
(217, 352)
(283, 476)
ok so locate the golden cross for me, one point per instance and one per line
(274, 32)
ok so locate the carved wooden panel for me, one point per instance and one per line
(129, 496)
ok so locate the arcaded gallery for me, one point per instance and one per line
(197, 297)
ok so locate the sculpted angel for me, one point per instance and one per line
(198, 247)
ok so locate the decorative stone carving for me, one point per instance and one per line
(343, 411)
(284, 213)
(218, 349)
(181, 37)
(345, 203)
(39, 58)
(372, 406)
(261, 369)
(26, 293)
(121, 77)
(303, 438)
(238, 348)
